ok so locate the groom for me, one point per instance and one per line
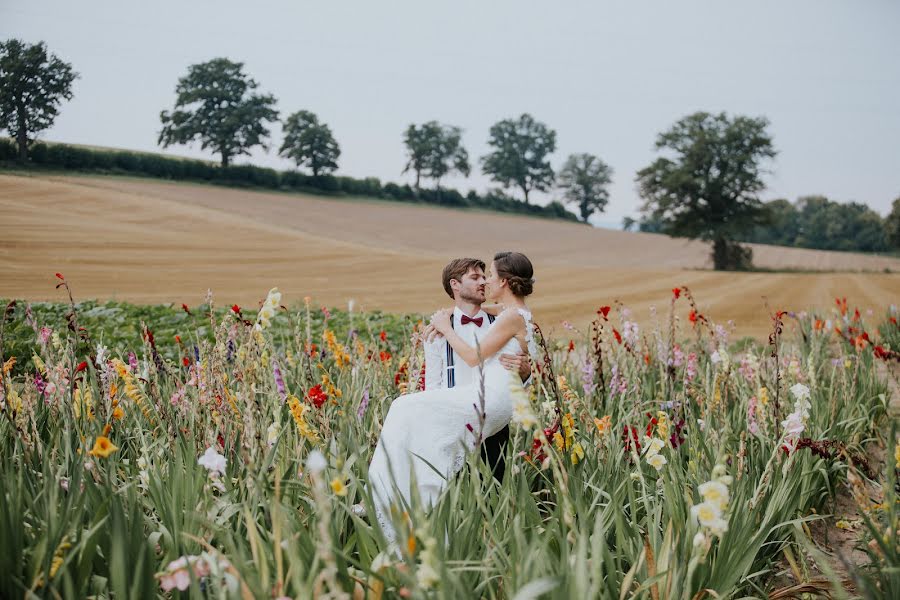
(464, 281)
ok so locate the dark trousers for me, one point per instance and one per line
(493, 450)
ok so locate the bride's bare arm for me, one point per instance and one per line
(503, 330)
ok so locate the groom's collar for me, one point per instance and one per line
(458, 313)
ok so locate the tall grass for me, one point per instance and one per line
(583, 511)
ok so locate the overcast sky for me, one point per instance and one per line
(607, 76)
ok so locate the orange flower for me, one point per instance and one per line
(604, 424)
(103, 447)
(118, 413)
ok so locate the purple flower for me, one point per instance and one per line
(363, 405)
(279, 381)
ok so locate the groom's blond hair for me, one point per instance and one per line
(457, 269)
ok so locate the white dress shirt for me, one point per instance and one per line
(436, 353)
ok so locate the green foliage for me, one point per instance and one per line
(709, 188)
(519, 155)
(585, 178)
(66, 156)
(892, 226)
(215, 104)
(609, 525)
(32, 86)
(310, 143)
(823, 224)
(434, 151)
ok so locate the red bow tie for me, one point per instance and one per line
(466, 319)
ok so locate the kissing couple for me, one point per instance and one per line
(475, 359)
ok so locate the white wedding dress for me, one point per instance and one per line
(433, 427)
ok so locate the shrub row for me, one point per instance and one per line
(80, 158)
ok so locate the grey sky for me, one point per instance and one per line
(608, 76)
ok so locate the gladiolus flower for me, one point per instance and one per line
(185, 308)
(235, 309)
(604, 310)
(617, 335)
(316, 395)
(338, 487)
(213, 461)
(383, 336)
(103, 447)
(384, 355)
(571, 345)
(186, 361)
(81, 366)
(676, 292)
(692, 317)
(60, 276)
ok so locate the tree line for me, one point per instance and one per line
(704, 185)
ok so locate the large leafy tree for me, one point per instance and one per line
(216, 105)
(310, 143)
(32, 86)
(519, 156)
(707, 187)
(892, 226)
(584, 179)
(434, 151)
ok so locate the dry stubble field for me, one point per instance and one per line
(158, 242)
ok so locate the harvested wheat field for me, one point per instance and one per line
(158, 242)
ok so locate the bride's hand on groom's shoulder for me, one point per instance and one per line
(441, 321)
(429, 334)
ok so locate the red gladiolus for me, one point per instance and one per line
(676, 292)
(384, 355)
(571, 345)
(820, 324)
(185, 308)
(383, 336)
(617, 335)
(856, 314)
(880, 352)
(177, 338)
(60, 276)
(893, 320)
(186, 361)
(604, 310)
(692, 317)
(842, 304)
(236, 309)
(81, 366)
(316, 395)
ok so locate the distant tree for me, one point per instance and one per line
(32, 86)
(519, 156)
(783, 227)
(309, 143)
(584, 178)
(629, 223)
(215, 104)
(892, 226)
(708, 189)
(434, 151)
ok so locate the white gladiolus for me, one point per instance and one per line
(657, 461)
(213, 461)
(316, 462)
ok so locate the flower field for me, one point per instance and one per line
(177, 451)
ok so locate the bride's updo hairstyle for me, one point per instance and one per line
(516, 269)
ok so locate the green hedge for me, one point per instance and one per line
(79, 158)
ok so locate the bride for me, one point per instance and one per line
(427, 434)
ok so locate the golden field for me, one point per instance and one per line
(158, 242)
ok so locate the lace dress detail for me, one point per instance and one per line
(426, 435)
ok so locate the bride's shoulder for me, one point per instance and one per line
(515, 314)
